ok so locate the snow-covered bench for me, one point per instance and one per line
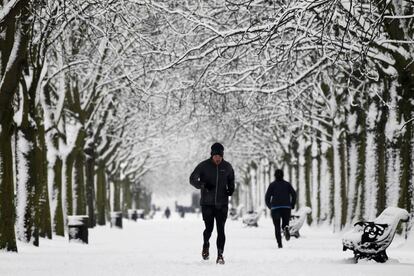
(236, 213)
(252, 218)
(370, 239)
(233, 214)
(296, 221)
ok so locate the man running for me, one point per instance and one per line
(215, 178)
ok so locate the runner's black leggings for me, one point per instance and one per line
(277, 214)
(220, 214)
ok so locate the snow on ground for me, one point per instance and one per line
(173, 247)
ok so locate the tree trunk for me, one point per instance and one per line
(295, 165)
(79, 174)
(137, 196)
(330, 163)
(68, 184)
(79, 183)
(405, 91)
(14, 37)
(7, 211)
(108, 201)
(101, 194)
(336, 163)
(406, 186)
(27, 188)
(360, 172)
(126, 197)
(117, 195)
(316, 180)
(90, 184)
(318, 185)
(343, 186)
(371, 163)
(352, 162)
(402, 31)
(45, 227)
(308, 180)
(382, 161)
(58, 221)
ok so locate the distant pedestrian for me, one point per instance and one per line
(215, 178)
(280, 198)
(182, 213)
(167, 212)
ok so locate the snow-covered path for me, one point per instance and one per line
(172, 247)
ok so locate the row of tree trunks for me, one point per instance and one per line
(399, 30)
(405, 114)
(14, 38)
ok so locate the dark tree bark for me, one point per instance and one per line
(126, 196)
(90, 183)
(7, 212)
(45, 227)
(58, 221)
(68, 184)
(14, 37)
(308, 180)
(117, 194)
(101, 199)
(79, 184)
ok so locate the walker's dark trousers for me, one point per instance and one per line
(277, 214)
(211, 212)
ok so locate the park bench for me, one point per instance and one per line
(297, 220)
(251, 218)
(369, 240)
(236, 213)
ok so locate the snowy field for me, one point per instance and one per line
(173, 247)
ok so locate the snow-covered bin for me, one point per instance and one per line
(116, 219)
(297, 220)
(370, 239)
(141, 213)
(132, 214)
(78, 228)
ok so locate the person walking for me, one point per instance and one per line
(280, 198)
(167, 212)
(215, 179)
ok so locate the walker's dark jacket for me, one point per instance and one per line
(280, 194)
(216, 182)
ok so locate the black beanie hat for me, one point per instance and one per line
(279, 174)
(217, 149)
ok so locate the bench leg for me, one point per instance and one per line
(356, 257)
(381, 257)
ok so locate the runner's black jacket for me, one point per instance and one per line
(216, 182)
(280, 193)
